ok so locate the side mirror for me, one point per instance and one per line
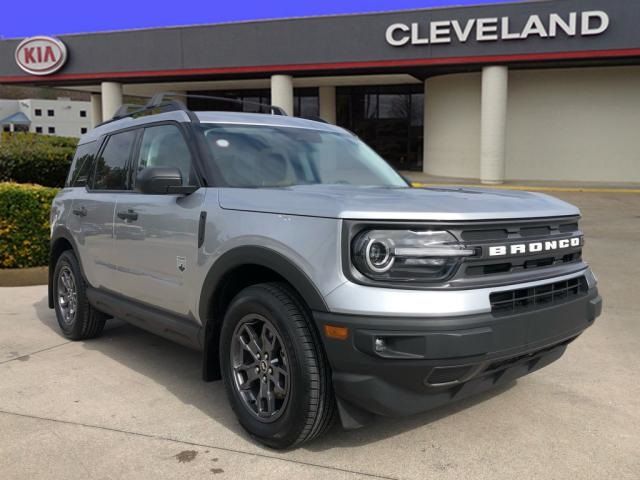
(162, 181)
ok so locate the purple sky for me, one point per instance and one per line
(54, 17)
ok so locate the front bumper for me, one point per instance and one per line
(401, 366)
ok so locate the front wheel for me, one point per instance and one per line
(274, 368)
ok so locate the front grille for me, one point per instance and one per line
(482, 237)
(513, 301)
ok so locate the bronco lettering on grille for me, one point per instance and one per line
(534, 247)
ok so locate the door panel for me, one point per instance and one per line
(157, 251)
(156, 236)
(91, 222)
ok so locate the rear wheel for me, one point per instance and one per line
(77, 319)
(274, 367)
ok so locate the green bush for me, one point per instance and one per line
(33, 158)
(24, 225)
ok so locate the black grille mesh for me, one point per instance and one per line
(540, 296)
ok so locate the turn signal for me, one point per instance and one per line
(337, 333)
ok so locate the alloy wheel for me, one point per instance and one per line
(260, 368)
(67, 295)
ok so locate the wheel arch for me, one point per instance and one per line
(235, 270)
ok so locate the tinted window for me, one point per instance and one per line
(82, 165)
(111, 168)
(265, 156)
(164, 146)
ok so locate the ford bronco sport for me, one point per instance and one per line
(314, 279)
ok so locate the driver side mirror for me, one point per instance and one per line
(162, 181)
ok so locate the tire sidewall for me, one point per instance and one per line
(286, 429)
(73, 329)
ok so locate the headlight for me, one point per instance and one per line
(406, 255)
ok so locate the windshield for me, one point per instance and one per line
(252, 156)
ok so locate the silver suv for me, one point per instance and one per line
(314, 279)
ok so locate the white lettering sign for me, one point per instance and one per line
(494, 29)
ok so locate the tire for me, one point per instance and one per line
(303, 402)
(77, 319)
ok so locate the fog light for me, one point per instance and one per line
(380, 345)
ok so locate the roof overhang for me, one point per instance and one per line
(525, 33)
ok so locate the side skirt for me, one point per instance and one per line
(173, 327)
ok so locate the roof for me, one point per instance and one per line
(17, 118)
(265, 120)
(211, 117)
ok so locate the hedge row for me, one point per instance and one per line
(24, 225)
(33, 158)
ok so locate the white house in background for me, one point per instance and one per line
(63, 117)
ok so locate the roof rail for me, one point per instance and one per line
(159, 97)
(159, 101)
(126, 110)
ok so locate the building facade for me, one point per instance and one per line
(62, 117)
(544, 90)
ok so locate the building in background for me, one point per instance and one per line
(63, 117)
(546, 90)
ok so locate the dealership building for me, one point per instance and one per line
(540, 90)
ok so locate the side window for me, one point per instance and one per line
(164, 146)
(111, 167)
(82, 165)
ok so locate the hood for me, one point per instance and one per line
(373, 203)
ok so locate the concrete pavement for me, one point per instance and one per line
(131, 405)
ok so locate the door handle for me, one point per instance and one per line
(80, 212)
(130, 215)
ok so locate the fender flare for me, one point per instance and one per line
(264, 257)
(234, 258)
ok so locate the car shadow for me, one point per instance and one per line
(178, 369)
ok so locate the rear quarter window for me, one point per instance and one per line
(82, 165)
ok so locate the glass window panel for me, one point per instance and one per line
(164, 146)
(82, 165)
(393, 106)
(112, 165)
(417, 109)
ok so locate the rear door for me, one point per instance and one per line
(156, 236)
(93, 206)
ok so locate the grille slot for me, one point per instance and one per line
(536, 297)
(484, 235)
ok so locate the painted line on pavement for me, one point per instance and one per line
(195, 444)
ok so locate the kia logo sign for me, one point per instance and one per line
(41, 55)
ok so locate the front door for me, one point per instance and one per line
(156, 236)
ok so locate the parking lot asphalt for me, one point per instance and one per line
(132, 405)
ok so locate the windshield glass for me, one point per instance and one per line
(266, 156)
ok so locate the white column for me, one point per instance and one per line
(282, 92)
(495, 88)
(111, 99)
(96, 109)
(327, 99)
